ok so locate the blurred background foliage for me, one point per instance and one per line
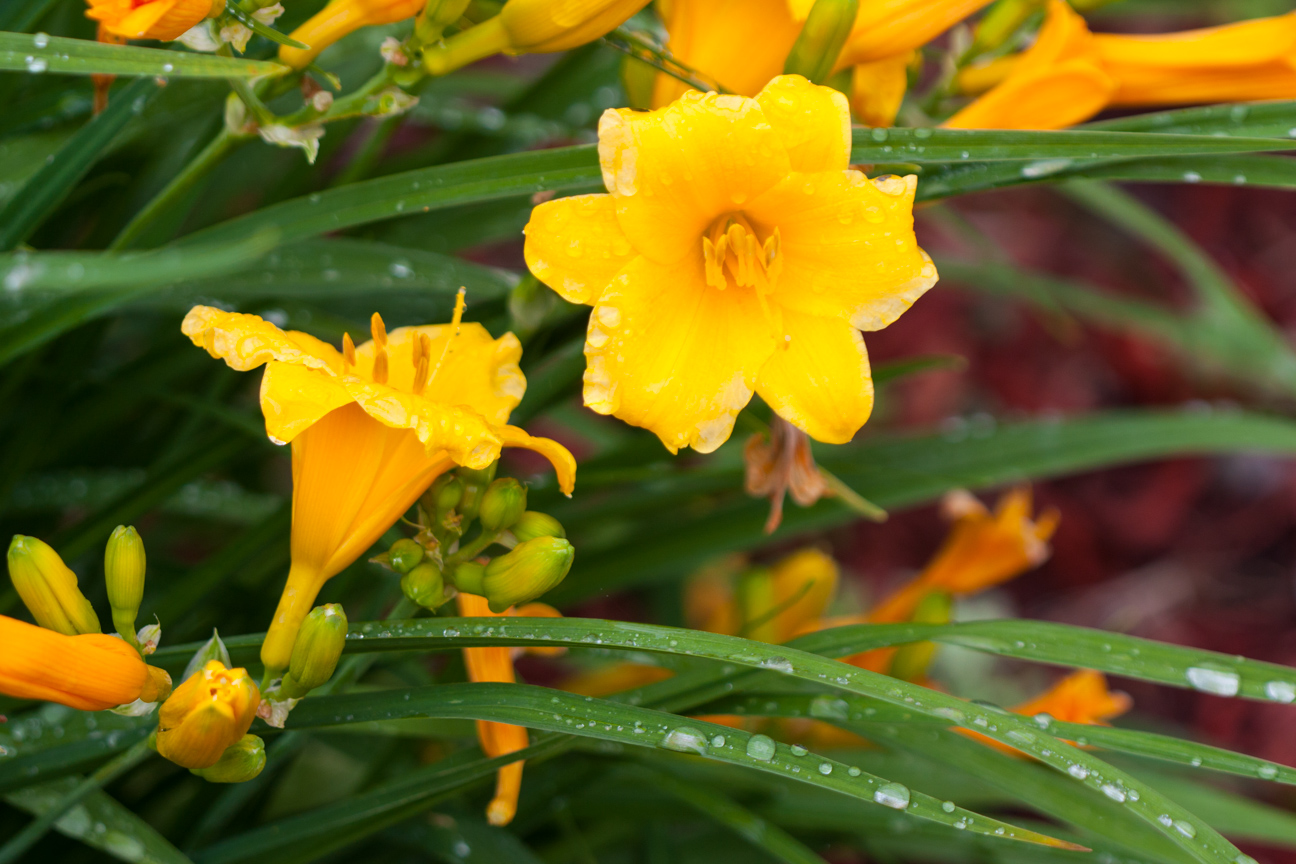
(1079, 328)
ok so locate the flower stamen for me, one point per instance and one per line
(348, 350)
(732, 250)
(379, 331)
(455, 322)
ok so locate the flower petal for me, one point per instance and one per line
(742, 44)
(294, 398)
(878, 88)
(668, 352)
(1055, 98)
(246, 341)
(886, 27)
(575, 246)
(457, 430)
(812, 121)
(820, 382)
(468, 368)
(1244, 44)
(848, 246)
(675, 170)
(559, 456)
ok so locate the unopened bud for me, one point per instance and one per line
(206, 714)
(49, 588)
(425, 585)
(533, 524)
(815, 52)
(469, 577)
(316, 652)
(1001, 21)
(124, 566)
(475, 483)
(404, 555)
(241, 761)
(502, 504)
(158, 686)
(530, 570)
(445, 494)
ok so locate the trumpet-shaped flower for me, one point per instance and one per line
(339, 19)
(1069, 74)
(164, 20)
(91, 671)
(210, 711)
(500, 739)
(371, 427)
(735, 251)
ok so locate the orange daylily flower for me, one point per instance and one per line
(1069, 74)
(90, 672)
(341, 18)
(1081, 697)
(496, 664)
(211, 711)
(371, 427)
(163, 20)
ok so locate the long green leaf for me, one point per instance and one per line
(25, 52)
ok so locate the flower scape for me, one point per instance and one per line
(925, 365)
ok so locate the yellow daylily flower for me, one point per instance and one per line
(878, 88)
(885, 28)
(1070, 74)
(209, 712)
(770, 605)
(341, 18)
(371, 427)
(736, 252)
(164, 20)
(496, 664)
(91, 671)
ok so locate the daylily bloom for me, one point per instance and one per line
(1069, 74)
(1081, 697)
(163, 20)
(210, 711)
(744, 44)
(341, 18)
(499, 739)
(371, 427)
(735, 252)
(90, 671)
(769, 605)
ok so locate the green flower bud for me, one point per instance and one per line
(240, 762)
(502, 505)
(911, 661)
(1002, 20)
(530, 570)
(445, 494)
(815, 52)
(533, 524)
(49, 588)
(475, 483)
(124, 566)
(404, 555)
(425, 585)
(317, 650)
(468, 577)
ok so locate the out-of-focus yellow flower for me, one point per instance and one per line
(91, 671)
(163, 20)
(1081, 697)
(878, 88)
(371, 428)
(341, 18)
(48, 588)
(532, 27)
(499, 739)
(885, 28)
(210, 711)
(735, 252)
(1059, 81)
(1069, 74)
(769, 605)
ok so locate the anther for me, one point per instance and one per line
(380, 364)
(379, 331)
(348, 350)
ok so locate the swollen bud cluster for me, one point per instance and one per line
(442, 561)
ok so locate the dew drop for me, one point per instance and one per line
(685, 739)
(1185, 828)
(778, 664)
(40, 40)
(1078, 771)
(1281, 691)
(853, 771)
(1219, 682)
(825, 768)
(878, 134)
(1113, 792)
(1191, 177)
(948, 806)
(1268, 772)
(761, 747)
(892, 795)
(718, 741)
(798, 750)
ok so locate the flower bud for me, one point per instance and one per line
(210, 711)
(404, 555)
(425, 585)
(815, 52)
(158, 686)
(475, 483)
(502, 504)
(533, 524)
(49, 588)
(1002, 21)
(241, 761)
(469, 578)
(124, 566)
(445, 494)
(316, 652)
(530, 570)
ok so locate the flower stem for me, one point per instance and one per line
(221, 146)
(104, 775)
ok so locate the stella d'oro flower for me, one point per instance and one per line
(206, 714)
(90, 671)
(163, 20)
(736, 251)
(371, 427)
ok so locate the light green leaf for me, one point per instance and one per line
(25, 52)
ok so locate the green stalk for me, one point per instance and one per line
(199, 167)
(105, 774)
